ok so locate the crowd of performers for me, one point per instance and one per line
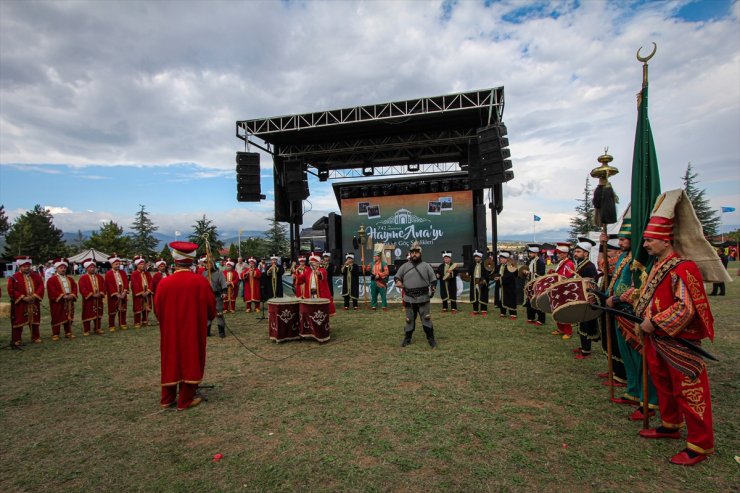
(672, 304)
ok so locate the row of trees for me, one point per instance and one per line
(583, 221)
(34, 234)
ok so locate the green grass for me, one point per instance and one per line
(498, 406)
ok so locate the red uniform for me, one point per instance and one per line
(141, 289)
(232, 290)
(116, 287)
(184, 303)
(92, 306)
(316, 285)
(298, 277)
(62, 310)
(26, 313)
(157, 278)
(565, 268)
(251, 281)
(674, 300)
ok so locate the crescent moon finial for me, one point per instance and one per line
(646, 58)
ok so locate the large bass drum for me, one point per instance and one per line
(283, 319)
(314, 316)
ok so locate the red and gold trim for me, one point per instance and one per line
(659, 228)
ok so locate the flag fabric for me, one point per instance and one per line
(538, 218)
(645, 186)
(724, 209)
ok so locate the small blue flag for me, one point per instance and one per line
(728, 209)
(538, 218)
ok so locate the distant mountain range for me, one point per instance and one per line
(228, 238)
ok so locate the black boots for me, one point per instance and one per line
(221, 331)
(407, 338)
(429, 331)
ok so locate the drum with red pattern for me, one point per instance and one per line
(571, 301)
(541, 285)
(314, 319)
(283, 319)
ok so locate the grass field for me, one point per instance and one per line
(498, 406)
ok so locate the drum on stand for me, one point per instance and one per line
(314, 319)
(540, 287)
(571, 301)
(529, 292)
(283, 319)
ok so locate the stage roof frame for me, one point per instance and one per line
(429, 130)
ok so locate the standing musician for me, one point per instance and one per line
(330, 269)
(185, 303)
(219, 287)
(588, 331)
(565, 268)
(26, 290)
(379, 282)
(92, 289)
(162, 272)
(274, 275)
(116, 288)
(350, 281)
(141, 288)
(447, 275)
(62, 293)
(251, 279)
(419, 281)
(297, 272)
(534, 270)
(232, 286)
(508, 275)
(479, 276)
(315, 283)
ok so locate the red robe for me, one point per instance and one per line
(141, 282)
(317, 279)
(92, 308)
(566, 268)
(251, 280)
(157, 278)
(184, 304)
(19, 286)
(61, 310)
(115, 282)
(232, 282)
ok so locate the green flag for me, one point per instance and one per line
(645, 186)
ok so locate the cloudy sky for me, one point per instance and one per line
(108, 105)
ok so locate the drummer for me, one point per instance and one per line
(588, 331)
(316, 283)
(534, 270)
(566, 268)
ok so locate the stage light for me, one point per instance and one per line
(375, 190)
(364, 191)
(368, 171)
(446, 186)
(434, 187)
(323, 174)
(413, 167)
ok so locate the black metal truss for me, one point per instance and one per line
(395, 170)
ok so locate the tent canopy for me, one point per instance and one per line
(89, 253)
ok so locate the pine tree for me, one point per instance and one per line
(276, 239)
(4, 223)
(110, 239)
(166, 255)
(143, 241)
(205, 228)
(233, 251)
(708, 217)
(34, 234)
(583, 222)
(255, 247)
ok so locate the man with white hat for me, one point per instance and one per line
(418, 280)
(507, 278)
(566, 268)
(251, 280)
(116, 287)
(62, 292)
(350, 281)
(588, 331)
(142, 290)
(26, 290)
(92, 290)
(330, 269)
(219, 288)
(447, 276)
(184, 304)
(162, 272)
(232, 286)
(535, 269)
(274, 275)
(479, 276)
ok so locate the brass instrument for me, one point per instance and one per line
(524, 271)
(450, 271)
(465, 276)
(489, 264)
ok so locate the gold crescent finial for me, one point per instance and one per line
(646, 58)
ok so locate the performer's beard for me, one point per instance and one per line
(416, 260)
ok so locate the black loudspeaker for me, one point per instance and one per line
(467, 255)
(489, 155)
(480, 225)
(334, 232)
(498, 197)
(248, 177)
(296, 180)
(282, 203)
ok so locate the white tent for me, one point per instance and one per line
(90, 253)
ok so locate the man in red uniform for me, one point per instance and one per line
(142, 290)
(297, 271)
(565, 268)
(251, 279)
(316, 284)
(116, 287)
(184, 303)
(62, 292)
(232, 283)
(26, 290)
(161, 273)
(92, 289)
(673, 305)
